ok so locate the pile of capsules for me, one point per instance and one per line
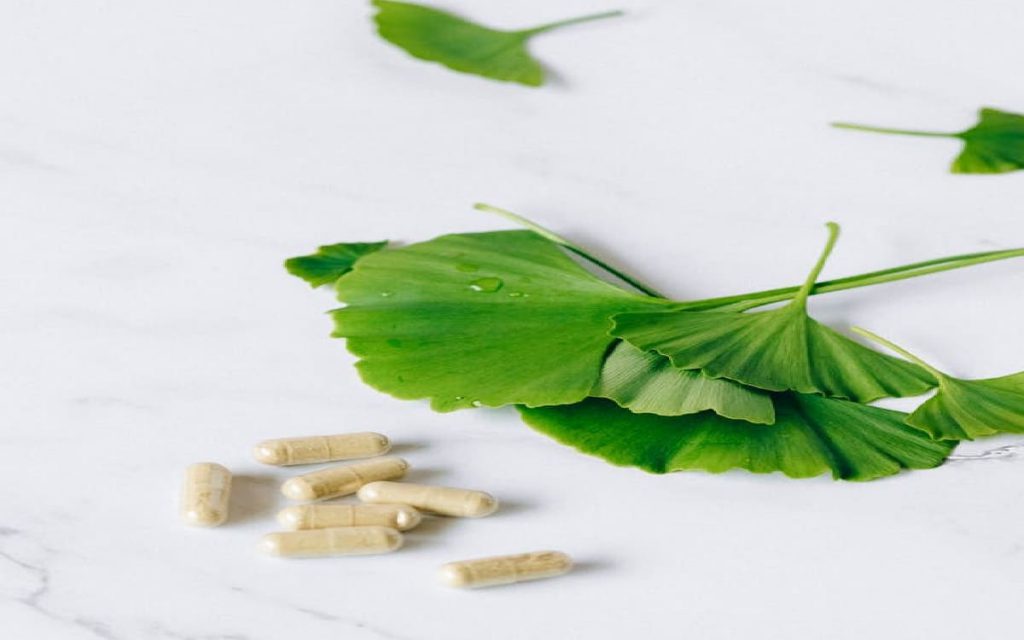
(387, 508)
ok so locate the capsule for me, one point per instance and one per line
(312, 449)
(338, 541)
(344, 479)
(206, 494)
(445, 501)
(489, 572)
(323, 516)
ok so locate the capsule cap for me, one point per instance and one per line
(483, 504)
(298, 489)
(407, 517)
(455, 575)
(269, 452)
(291, 517)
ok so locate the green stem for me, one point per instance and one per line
(564, 23)
(800, 299)
(745, 301)
(812, 277)
(899, 132)
(894, 274)
(874, 337)
(559, 240)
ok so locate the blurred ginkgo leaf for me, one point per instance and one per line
(994, 145)
(438, 36)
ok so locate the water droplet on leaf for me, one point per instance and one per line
(486, 285)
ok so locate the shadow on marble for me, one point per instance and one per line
(428, 532)
(253, 497)
(588, 566)
(419, 475)
(510, 507)
(403, 448)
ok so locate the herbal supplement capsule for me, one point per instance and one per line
(445, 501)
(343, 479)
(339, 541)
(308, 450)
(487, 572)
(205, 497)
(323, 516)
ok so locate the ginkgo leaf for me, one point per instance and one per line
(646, 382)
(438, 36)
(480, 319)
(330, 262)
(812, 435)
(778, 350)
(994, 145)
(965, 409)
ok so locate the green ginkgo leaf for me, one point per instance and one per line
(647, 382)
(778, 350)
(439, 36)
(994, 145)
(480, 319)
(330, 262)
(812, 435)
(965, 409)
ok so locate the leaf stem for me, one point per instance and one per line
(551, 26)
(899, 132)
(894, 274)
(559, 240)
(800, 299)
(874, 337)
(745, 301)
(812, 277)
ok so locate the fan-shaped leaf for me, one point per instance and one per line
(966, 409)
(646, 382)
(480, 319)
(994, 145)
(811, 436)
(439, 36)
(782, 349)
(330, 262)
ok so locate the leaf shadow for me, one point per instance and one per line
(556, 79)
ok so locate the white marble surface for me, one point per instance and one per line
(158, 161)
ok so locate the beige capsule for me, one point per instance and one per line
(312, 449)
(323, 516)
(489, 572)
(446, 501)
(205, 495)
(337, 541)
(342, 480)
